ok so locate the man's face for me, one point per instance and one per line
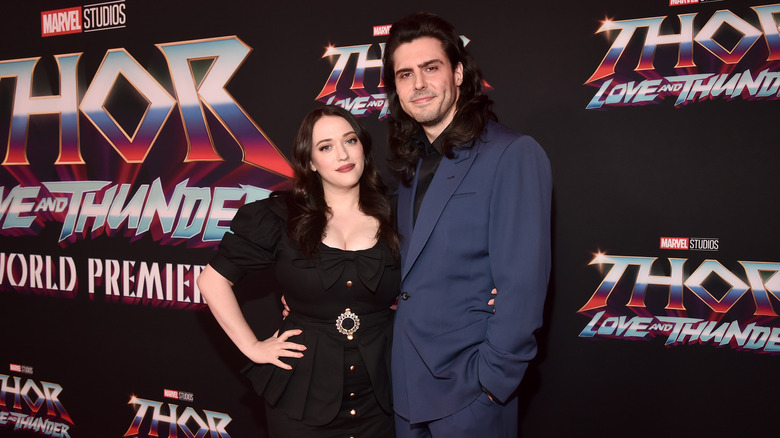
(426, 83)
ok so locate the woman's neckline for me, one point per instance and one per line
(350, 250)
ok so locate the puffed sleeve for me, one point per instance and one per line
(251, 243)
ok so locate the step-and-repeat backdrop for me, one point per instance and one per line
(131, 131)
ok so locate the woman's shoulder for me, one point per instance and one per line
(261, 216)
(275, 204)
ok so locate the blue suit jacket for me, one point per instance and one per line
(484, 223)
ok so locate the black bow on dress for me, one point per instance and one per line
(369, 265)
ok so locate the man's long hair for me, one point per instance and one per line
(307, 210)
(473, 109)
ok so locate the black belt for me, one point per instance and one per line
(341, 325)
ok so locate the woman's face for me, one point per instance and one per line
(336, 154)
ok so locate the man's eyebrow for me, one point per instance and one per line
(421, 65)
(403, 70)
(432, 61)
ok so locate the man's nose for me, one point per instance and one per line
(419, 82)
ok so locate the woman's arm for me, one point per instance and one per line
(218, 292)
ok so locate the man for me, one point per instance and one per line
(474, 214)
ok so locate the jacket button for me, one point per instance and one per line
(404, 296)
(349, 283)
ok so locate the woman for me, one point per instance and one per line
(332, 244)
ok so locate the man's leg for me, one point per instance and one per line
(482, 418)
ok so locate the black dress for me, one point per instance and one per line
(341, 386)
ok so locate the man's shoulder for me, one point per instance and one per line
(498, 137)
(496, 129)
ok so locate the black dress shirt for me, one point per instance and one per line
(431, 157)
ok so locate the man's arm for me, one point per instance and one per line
(519, 248)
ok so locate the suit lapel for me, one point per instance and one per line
(446, 179)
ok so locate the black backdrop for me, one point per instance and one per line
(625, 177)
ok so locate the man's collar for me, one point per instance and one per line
(420, 141)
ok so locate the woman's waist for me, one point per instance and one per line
(346, 325)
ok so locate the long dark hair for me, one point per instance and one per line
(306, 206)
(473, 109)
